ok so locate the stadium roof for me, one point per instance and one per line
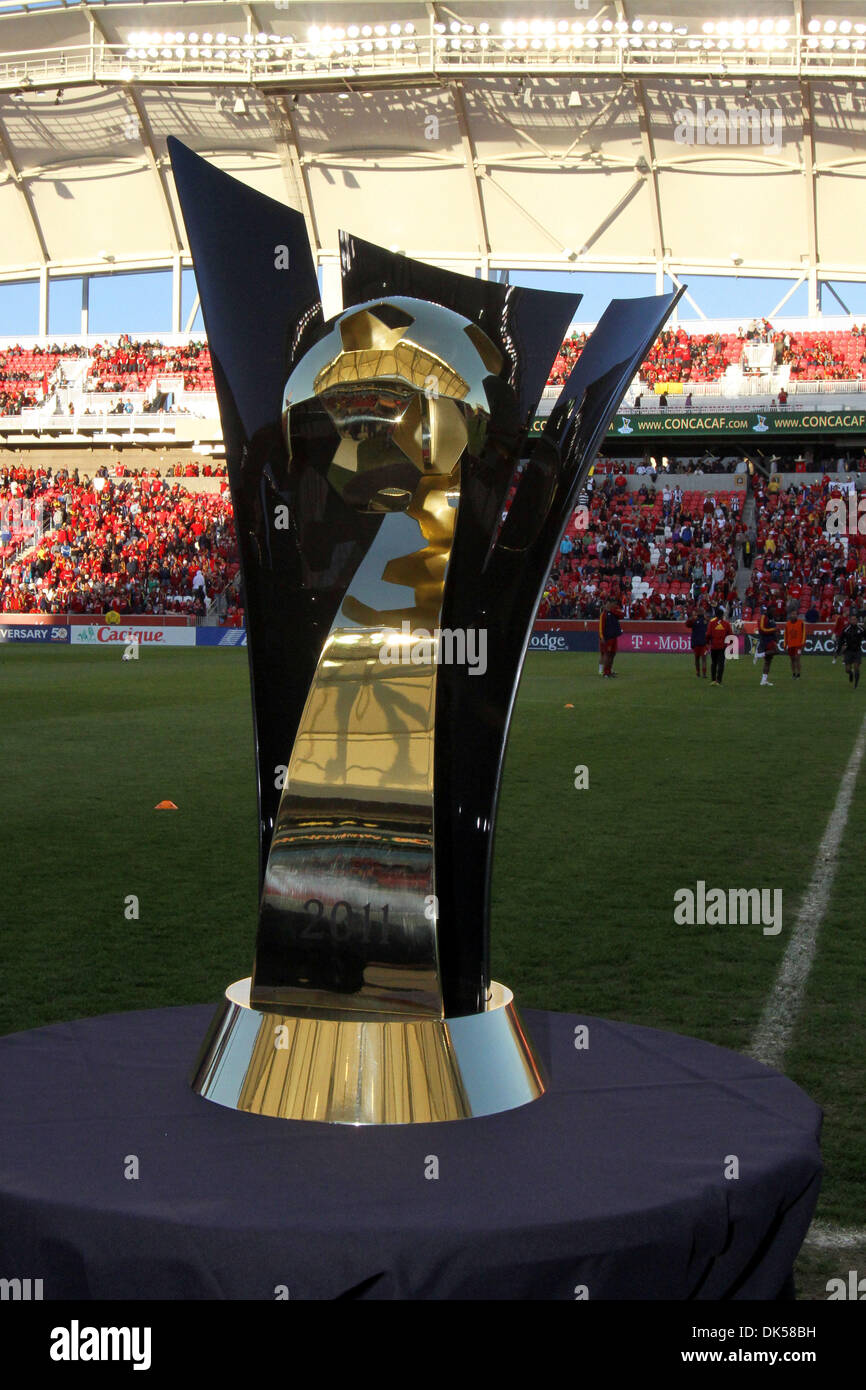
(545, 136)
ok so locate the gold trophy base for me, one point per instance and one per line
(359, 1072)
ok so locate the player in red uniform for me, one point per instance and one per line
(795, 640)
(608, 634)
(718, 632)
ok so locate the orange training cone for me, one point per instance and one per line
(165, 806)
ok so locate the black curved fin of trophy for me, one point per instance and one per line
(393, 551)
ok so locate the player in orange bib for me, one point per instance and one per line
(795, 640)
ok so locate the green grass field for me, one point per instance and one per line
(733, 786)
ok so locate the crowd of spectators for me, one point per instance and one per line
(128, 365)
(138, 543)
(566, 358)
(28, 375)
(799, 560)
(679, 356)
(678, 546)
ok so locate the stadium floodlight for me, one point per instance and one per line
(845, 26)
(207, 38)
(666, 26)
(814, 26)
(607, 25)
(380, 31)
(592, 26)
(622, 26)
(126, 74)
(637, 26)
(709, 27)
(782, 26)
(652, 26)
(829, 26)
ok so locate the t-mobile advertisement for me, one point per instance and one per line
(581, 635)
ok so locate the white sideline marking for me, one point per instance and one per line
(827, 1237)
(779, 1016)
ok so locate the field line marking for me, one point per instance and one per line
(785, 999)
(828, 1237)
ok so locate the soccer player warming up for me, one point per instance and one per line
(608, 633)
(768, 642)
(848, 643)
(718, 632)
(698, 625)
(795, 639)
